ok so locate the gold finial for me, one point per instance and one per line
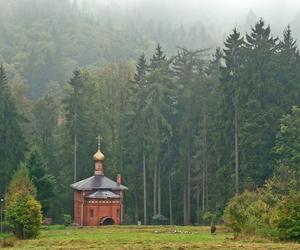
(99, 156)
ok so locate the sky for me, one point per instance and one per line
(224, 15)
(228, 11)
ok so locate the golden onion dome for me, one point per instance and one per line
(99, 156)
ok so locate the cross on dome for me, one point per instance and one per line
(99, 141)
(98, 156)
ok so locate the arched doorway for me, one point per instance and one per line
(104, 221)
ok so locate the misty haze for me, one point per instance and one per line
(149, 124)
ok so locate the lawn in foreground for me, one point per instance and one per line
(144, 237)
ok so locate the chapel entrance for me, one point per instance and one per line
(104, 221)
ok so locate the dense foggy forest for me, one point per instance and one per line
(188, 114)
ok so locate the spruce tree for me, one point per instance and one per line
(12, 146)
(158, 107)
(287, 151)
(261, 104)
(136, 129)
(42, 180)
(185, 69)
(288, 73)
(230, 105)
(141, 69)
(75, 117)
(158, 58)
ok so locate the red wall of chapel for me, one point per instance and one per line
(88, 212)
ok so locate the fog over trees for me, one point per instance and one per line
(33, 33)
(195, 101)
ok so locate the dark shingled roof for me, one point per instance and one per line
(102, 195)
(97, 182)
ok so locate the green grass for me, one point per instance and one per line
(4, 235)
(135, 238)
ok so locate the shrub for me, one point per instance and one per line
(235, 214)
(207, 217)
(67, 220)
(257, 218)
(25, 218)
(286, 217)
(23, 211)
(272, 210)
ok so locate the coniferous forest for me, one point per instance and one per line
(188, 128)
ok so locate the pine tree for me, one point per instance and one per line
(141, 69)
(231, 88)
(45, 123)
(186, 69)
(75, 115)
(286, 149)
(12, 146)
(158, 58)
(158, 107)
(261, 104)
(217, 172)
(42, 180)
(136, 128)
(288, 73)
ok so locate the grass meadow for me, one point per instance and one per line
(140, 237)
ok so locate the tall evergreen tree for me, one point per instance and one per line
(288, 73)
(12, 146)
(185, 69)
(287, 149)
(41, 179)
(75, 115)
(158, 58)
(261, 104)
(136, 128)
(158, 129)
(231, 88)
(45, 122)
(141, 70)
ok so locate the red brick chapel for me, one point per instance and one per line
(98, 200)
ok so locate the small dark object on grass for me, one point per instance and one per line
(159, 219)
(213, 228)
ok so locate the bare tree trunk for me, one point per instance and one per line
(144, 173)
(75, 157)
(206, 190)
(205, 159)
(189, 191)
(170, 200)
(145, 190)
(185, 220)
(203, 187)
(236, 149)
(198, 205)
(136, 209)
(155, 189)
(158, 190)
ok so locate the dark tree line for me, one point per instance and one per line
(187, 132)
